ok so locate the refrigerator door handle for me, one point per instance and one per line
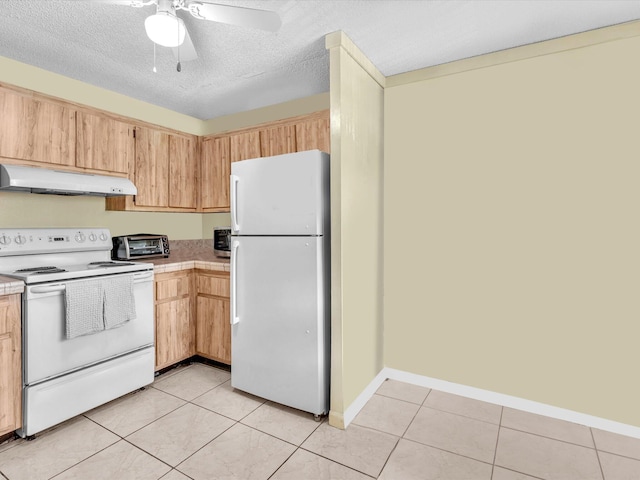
(234, 283)
(234, 203)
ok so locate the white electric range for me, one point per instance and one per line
(64, 377)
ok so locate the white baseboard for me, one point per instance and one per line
(486, 396)
(362, 399)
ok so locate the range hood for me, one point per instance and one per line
(18, 178)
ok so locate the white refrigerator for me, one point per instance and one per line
(280, 295)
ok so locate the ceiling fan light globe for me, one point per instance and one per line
(165, 29)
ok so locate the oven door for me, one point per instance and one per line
(46, 350)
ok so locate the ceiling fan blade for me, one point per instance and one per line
(187, 50)
(246, 17)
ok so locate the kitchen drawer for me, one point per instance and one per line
(172, 285)
(217, 285)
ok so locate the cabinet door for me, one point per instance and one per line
(174, 332)
(152, 168)
(37, 130)
(314, 134)
(175, 329)
(213, 329)
(10, 364)
(216, 168)
(245, 145)
(278, 140)
(183, 185)
(104, 143)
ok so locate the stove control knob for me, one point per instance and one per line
(4, 240)
(20, 239)
(103, 237)
(80, 237)
(93, 237)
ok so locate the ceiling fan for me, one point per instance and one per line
(167, 29)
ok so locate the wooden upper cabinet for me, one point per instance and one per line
(314, 134)
(278, 140)
(245, 145)
(104, 143)
(152, 168)
(36, 130)
(166, 170)
(183, 172)
(215, 171)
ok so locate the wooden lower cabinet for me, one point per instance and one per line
(175, 330)
(192, 316)
(10, 364)
(213, 331)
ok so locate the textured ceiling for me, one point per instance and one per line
(239, 68)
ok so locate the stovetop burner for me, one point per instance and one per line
(108, 264)
(41, 270)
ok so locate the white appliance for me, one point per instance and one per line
(64, 377)
(280, 296)
(20, 178)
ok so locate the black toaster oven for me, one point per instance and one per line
(140, 245)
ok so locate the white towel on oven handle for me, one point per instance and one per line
(84, 308)
(119, 302)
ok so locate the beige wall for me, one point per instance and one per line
(293, 108)
(511, 203)
(26, 210)
(356, 224)
(210, 220)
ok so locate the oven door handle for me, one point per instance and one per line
(141, 277)
(48, 289)
(137, 278)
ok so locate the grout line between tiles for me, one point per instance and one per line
(87, 458)
(175, 469)
(281, 465)
(448, 451)
(425, 398)
(548, 438)
(213, 439)
(521, 473)
(411, 422)
(400, 399)
(145, 425)
(389, 457)
(495, 452)
(593, 438)
(150, 454)
(335, 461)
(463, 416)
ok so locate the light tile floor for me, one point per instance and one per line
(190, 424)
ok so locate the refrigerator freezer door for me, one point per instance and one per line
(279, 341)
(281, 195)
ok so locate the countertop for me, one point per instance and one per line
(185, 255)
(9, 286)
(188, 254)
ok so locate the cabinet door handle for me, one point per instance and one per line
(234, 203)
(234, 282)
